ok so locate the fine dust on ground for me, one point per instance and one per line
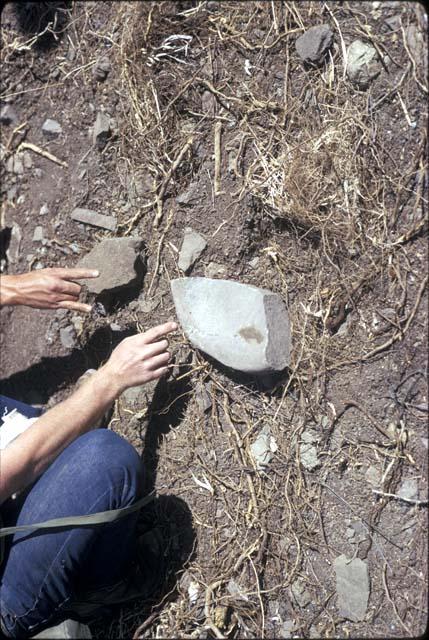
(301, 182)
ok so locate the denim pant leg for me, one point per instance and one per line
(8, 404)
(44, 571)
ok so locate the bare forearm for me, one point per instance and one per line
(32, 452)
(8, 291)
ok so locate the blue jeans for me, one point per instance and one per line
(43, 572)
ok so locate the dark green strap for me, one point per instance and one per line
(91, 519)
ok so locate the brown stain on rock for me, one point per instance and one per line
(250, 333)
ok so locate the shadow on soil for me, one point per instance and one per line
(39, 382)
(47, 20)
(167, 514)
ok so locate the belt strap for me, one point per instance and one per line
(90, 520)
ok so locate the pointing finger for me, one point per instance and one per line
(75, 306)
(157, 332)
(76, 274)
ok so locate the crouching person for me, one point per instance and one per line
(62, 466)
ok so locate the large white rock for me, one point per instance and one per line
(240, 325)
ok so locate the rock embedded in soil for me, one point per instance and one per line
(203, 397)
(12, 253)
(15, 164)
(192, 194)
(262, 448)
(300, 593)
(214, 269)
(101, 69)
(38, 234)
(409, 489)
(362, 64)
(119, 262)
(67, 337)
(192, 247)
(352, 579)
(95, 219)
(51, 128)
(314, 43)
(8, 115)
(242, 326)
(101, 132)
(308, 450)
(416, 44)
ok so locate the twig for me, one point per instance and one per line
(420, 503)
(343, 46)
(42, 152)
(218, 156)
(386, 588)
(209, 622)
(368, 524)
(167, 179)
(400, 335)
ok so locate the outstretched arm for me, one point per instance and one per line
(136, 360)
(46, 289)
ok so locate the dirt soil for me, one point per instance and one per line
(318, 191)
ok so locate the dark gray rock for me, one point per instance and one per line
(119, 261)
(51, 128)
(139, 397)
(95, 219)
(314, 43)
(352, 579)
(242, 326)
(101, 132)
(192, 247)
(101, 69)
(203, 398)
(300, 593)
(191, 195)
(394, 22)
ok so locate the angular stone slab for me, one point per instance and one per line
(192, 247)
(242, 326)
(352, 587)
(119, 263)
(95, 219)
(314, 43)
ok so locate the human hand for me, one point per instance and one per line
(139, 359)
(47, 289)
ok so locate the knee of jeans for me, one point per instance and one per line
(106, 454)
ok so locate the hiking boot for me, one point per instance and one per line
(142, 583)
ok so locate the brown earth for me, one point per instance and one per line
(322, 198)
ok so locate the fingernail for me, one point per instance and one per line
(95, 273)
